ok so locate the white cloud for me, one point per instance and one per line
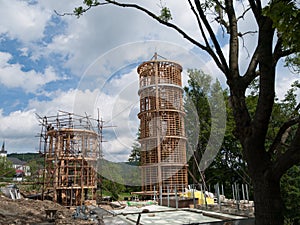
(64, 100)
(284, 80)
(23, 20)
(106, 27)
(115, 150)
(24, 51)
(19, 129)
(17, 124)
(13, 76)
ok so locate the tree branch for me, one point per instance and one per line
(255, 9)
(149, 13)
(224, 23)
(297, 108)
(234, 41)
(210, 50)
(248, 32)
(244, 13)
(251, 73)
(64, 14)
(281, 132)
(212, 35)
(289, 158)
(279, 52)
(221, 65)
(220, 19)
(80, 10)
(219, 4)
(267, 79)
(258, 5)
(199, 23)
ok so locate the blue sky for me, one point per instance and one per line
(50, 63)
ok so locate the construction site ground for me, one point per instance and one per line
(33, 212)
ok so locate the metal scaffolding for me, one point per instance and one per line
(71, 145)
(162, 134)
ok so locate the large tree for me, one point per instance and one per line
(277, 37)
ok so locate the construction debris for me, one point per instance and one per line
(11, 191)
(26, 212)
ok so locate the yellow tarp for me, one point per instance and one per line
(200, 196)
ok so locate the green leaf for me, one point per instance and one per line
(165, 14)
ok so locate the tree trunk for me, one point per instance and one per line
(267, 198)
(268, 205)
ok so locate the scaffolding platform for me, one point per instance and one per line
(71, 145)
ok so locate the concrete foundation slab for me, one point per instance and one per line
(155, 214)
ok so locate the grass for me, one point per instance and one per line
(121, 195)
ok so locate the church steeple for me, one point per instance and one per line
(3, 152)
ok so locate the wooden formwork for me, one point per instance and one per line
(162, 134)
(165, 123)
(165, 72)
(71, 149)
(169, 97)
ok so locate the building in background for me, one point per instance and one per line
(21, 167)
(3, 152)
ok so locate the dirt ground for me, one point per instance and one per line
(33, 212)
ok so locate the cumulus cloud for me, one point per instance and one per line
(18, 129)
(13, 76)
(23, 21)
(104, 28)
(118, 104)
(17, 124)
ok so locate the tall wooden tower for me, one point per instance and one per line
(162, 134)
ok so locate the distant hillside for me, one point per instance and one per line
(28, 157)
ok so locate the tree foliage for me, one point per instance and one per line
(28, 157)
(165, 14)
(228, 166)
(196, 102)
(6, 169)
(135, 155)
(286, 19)
(290, 183)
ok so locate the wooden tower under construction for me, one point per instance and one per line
(71, 148)
(162, 133)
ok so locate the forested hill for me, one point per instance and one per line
(27, 157)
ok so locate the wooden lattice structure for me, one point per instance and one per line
(71, 148)
(162, 134)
